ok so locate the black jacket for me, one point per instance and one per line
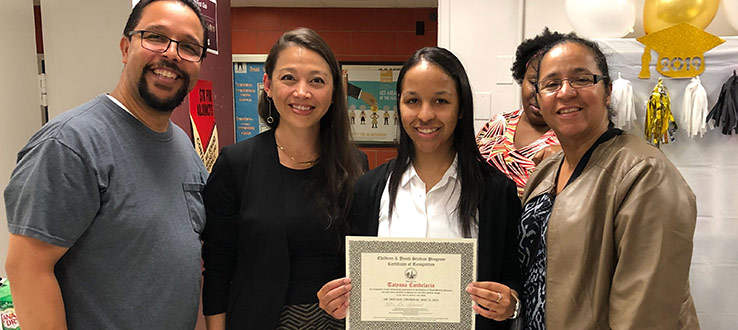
(245, 252)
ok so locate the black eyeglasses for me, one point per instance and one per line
(159, 43)
(551, 86)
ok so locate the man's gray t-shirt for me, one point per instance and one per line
(126, 201)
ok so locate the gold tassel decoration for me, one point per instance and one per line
(660, 125)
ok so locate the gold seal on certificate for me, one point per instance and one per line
(409, 283)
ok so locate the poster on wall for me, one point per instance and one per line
(248, 80)
(202, 118)
(372, 101)
(209, 9)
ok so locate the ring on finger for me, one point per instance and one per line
(499, 297)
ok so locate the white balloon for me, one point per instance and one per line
(602, 18)
(730, 8)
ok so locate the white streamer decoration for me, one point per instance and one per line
(694, 108)
(623, 103)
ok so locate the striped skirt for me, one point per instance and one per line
(307, 317)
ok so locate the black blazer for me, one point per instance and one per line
(245, 250)
(246, 267)
(499, 214)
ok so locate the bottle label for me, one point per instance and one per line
(9, 319)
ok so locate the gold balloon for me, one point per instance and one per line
(661, 14)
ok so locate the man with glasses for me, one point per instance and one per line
(104, 207)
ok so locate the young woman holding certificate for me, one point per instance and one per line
(439, 186)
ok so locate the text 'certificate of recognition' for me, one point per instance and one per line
(409, 283)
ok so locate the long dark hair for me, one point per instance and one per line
(471, 165)
(339, 165)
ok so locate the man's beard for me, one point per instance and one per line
(165, 105)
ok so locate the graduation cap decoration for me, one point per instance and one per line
(725, 111)
(681, 50)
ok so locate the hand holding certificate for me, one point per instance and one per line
(396, 283)
(333, 297)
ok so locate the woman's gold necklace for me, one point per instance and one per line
(306, 163)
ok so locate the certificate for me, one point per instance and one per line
(408, 283)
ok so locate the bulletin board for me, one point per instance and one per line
(248, 77)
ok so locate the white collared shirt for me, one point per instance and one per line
(421, 214)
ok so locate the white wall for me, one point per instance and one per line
(81, 40)
(19, 95)
(484, 35)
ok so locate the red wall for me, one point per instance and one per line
(354, 34)
(379, 155)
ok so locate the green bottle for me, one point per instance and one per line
(7, 310)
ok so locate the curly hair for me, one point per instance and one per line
(530, 50)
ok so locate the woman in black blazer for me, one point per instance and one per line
(441, 184)
(277, 203)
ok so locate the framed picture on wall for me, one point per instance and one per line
(372, 101)
(248, 76)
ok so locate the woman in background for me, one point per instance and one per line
(277, 204)
(607, 225)
(439, 186)
(515, 142)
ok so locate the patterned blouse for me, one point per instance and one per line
(495, 142)
(532, 257)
